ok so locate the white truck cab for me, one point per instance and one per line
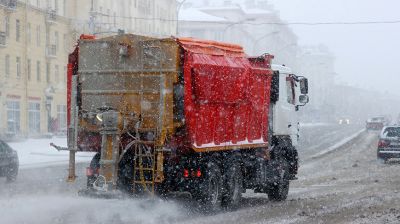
(288, 94)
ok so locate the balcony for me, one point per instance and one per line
(51, 16)
(51, 51)
(10, 5)
(3, 39)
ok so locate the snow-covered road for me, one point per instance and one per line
(346, 185)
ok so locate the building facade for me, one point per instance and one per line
(33, 55)
(249, 24)
(36, 37)
(145, 17)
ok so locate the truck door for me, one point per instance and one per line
(285, 121)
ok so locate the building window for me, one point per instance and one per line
(28, 33)
(65, 42)
(34, 117)
(38, 71)
(13, 117)
(38, 35)
(48, 72)
(18, 61)
(56, 5)
(62, 117)
(115, 20)
(7, 65)
(65, 74)
(7, 25)
(56, 74)
(56, 40)
(29, 69)
(65, 8)
(17, 30)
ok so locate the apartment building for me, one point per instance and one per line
(36, 37)
(33, 52)
(104, 17)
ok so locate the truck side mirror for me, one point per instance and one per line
(275, 87)
(303, 99)
(304, 86)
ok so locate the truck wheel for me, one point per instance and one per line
(233, 186)
(12, 173)
(125, 173)
(210, 190)
(94, 165)
(279, 189)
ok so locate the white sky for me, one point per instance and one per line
(366, 55)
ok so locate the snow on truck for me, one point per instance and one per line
(182, 115)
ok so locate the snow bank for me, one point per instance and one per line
(77, 210)
(39, 153)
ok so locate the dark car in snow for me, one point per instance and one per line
(389, 143)
(9, 162)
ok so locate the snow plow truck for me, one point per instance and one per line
(186, 115)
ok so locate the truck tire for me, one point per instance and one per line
(125, 173)
(94, 165)
(233, 186)
(279, 188)
(210, 189)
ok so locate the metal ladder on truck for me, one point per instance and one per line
(148, 164)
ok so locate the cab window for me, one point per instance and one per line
(290, 90)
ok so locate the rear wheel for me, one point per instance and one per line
(209, 193)
(94, 165)
(279, 188)
(233, 186)
(125, 173)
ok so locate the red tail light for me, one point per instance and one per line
(383, 143)
(185, 173)
(198, 173)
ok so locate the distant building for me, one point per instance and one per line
(249, 24)
(146, 17)
(36, 37)
(317, 63)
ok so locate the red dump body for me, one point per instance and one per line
(227, 96)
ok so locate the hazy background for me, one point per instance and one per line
(366, 55)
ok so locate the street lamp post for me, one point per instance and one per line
(177, 15)
(236, 23)
(262, 37)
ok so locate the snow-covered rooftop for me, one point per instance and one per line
(257, 11)
(192, 14)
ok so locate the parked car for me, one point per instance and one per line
(9, 162)
(376, 123)
(389, 143)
